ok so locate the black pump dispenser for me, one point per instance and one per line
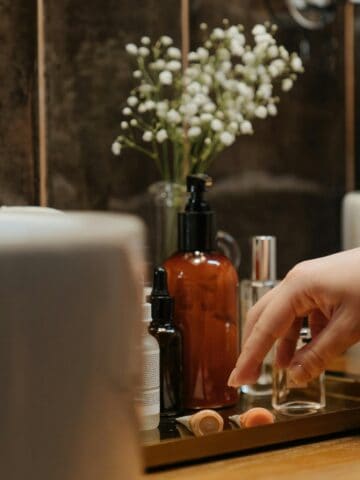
(196, 225)
(162, 304)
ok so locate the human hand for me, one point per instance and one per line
(327, 291)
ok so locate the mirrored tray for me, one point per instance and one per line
(171, 443)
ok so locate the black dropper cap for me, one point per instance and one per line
(196, 226)
(162, 304)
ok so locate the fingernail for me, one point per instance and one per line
(238, 378)
(231, 381)
(298, 374)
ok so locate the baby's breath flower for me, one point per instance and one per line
(261, 111)
(227, 138)
(236, 48)
(287, 84)
(166, 40)
(246, 127)
(265, 90)
(203, 53)
(233, 127)
(146, 88)
(218, 34)
(147, 136)
(217, 125)
(193, 57)
(116, 148)
(223, 54)
(174, 52)
(160, 64)
(273, 51)
(284, 53)
(149, 105)
(205, 89)
(258, 30)
(203, 26)
(232, 32)
(173, 116)
(144, 51)
(206, 79)
(173, 66)
(166, 77)
(189, 109)
(272, 109)
(206, 117)
(266, 39)
(200, 99)
(296, 64)
(194, 132)
(209, 107)
(131, 49)
(194, 88)
(161, 136)
(248, 58)
(226, 66)
(132, 101)
(194, 121)
(216, 96)
(162, 108)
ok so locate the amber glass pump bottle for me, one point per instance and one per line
(205, 286)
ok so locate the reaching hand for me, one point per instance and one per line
(327, 291)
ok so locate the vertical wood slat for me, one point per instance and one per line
(18, 91)
(185, 48)
(43, 168)
(349, 60)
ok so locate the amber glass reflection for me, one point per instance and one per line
(205, 287)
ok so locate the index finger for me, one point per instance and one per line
(273, 322)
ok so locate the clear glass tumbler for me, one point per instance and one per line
(289, 398)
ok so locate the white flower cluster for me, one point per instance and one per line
(227, 85)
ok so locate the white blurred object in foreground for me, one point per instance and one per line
(70, 310)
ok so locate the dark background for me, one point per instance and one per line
(287, 180)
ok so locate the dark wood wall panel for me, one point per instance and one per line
(18, 132)
(88, 82)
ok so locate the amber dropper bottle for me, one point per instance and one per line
(169, 338)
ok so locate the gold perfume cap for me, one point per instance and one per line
(263, 258)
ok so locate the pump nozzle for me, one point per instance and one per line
(197, 185)
(199, 182)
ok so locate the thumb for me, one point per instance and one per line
(310, 361)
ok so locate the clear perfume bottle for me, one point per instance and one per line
(289, 398)
(263, 279)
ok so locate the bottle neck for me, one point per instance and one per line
(196, 231)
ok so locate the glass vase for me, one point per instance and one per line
(168, 199)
